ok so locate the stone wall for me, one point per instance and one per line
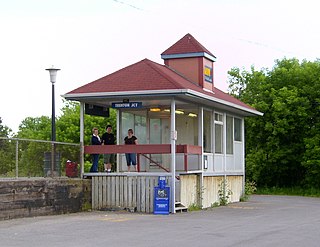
(43, 196)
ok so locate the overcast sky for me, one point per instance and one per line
(88, 39)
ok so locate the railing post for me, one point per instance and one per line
(138, 162)
(17, 158)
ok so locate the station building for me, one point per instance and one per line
(188, 130)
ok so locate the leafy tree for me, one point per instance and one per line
(67, 130)
(38, 128)
(6, 150)
(68, 127)
(282, 145)
(5, 131)
(68, 124)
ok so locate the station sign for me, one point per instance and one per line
(131, 105)
(208, 76)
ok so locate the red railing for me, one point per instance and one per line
(144, 149)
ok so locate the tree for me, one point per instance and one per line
(67, 130)
(5, 131)
(281, 145)
(6, 150)
(68, 124)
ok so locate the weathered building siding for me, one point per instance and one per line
(192, 193)
(189, 189)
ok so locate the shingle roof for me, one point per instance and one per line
(148, 75)
(187, 44)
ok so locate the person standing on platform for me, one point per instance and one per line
(108, 139)
(95, 140)
(131, 157)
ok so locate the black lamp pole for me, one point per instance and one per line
(53, 75)
(53, 117)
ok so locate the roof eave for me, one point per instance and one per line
(224, 102)
(83, 96)
(167, 92)
(185, 55)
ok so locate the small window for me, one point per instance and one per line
(237, 129)
(218, 133)
(218, 117)
(218, 139)
(207, 145)
(229, 136)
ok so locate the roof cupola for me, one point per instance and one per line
(192, 60)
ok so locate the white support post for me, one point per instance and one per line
(224, 153)
(82, 138)
(173, 154)
(118, 137)
(200, 136)
(200, 143)
(243, 156)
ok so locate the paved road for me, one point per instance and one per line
(263, 221)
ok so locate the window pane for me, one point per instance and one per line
(187, 129)
(155, 131)
(127, 122)
(229, 135)
(237, 129)
(207, 146)
(140, 129)
(218, 138)
(218, 117)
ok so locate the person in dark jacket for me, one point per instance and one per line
(108, 139)
(95, 140)
(131, 157)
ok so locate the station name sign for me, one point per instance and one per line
(126, 105)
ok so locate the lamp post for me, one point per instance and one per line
(53, 75)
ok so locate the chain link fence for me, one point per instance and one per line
(37, 158)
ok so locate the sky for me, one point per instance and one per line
(89, 39)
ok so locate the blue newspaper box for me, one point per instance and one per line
(161, 203)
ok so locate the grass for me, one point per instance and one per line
(293, 191)
(194, 207)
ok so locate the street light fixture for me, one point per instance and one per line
(53, 75)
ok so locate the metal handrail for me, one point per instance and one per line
(158, 164)
(17, 140)
(35, 140)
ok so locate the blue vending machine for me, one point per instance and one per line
(161, 204)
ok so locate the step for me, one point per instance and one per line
(179, 207)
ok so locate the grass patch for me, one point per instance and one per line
(194, 207)
(293, 191)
